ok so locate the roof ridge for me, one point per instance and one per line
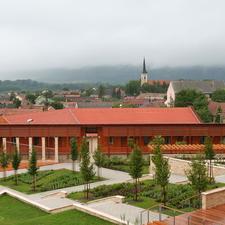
(195, 115)
(5, 119)
(74, 117)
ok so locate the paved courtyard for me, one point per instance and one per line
(128, 212)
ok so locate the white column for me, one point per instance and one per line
(30, 145)
(4, 144)
(56, 149)
(43, 148)
(18, 144)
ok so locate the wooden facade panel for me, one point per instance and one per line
(166, 130)
(39, 131)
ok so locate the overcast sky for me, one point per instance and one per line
(36, 34)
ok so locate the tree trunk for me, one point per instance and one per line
(73, 166)
(87, 191)
(4, 173)
(16, 177)
(34, 183)
(136, 189)
(212, 172)
(164, 195)
(98, 172)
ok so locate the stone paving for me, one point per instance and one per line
(129, 212)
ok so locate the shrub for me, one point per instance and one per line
(125, 189)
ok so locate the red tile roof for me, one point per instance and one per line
(15, 111)
(108, 116)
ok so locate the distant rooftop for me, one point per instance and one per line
(205, 86)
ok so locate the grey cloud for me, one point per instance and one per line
(37, 34)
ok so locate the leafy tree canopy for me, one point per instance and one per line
(198, 100)
(218, 95)
(133, 87)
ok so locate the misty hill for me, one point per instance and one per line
(121, 74)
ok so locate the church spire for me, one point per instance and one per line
(144, 67)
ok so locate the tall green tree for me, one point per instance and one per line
(73, 152)
(99, 159)
(197, 175)
(31, 97)
(16, 159)
(101, 91)
(33, 169)
(136, 164)
(133, 87)
(4, 162)
(218, 116)
(218, 95)
(162, 168)
(209, 155)
(16, 102)
(86, 168)
(198, 100)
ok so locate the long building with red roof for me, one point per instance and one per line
(50, 132)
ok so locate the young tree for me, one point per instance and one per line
(86, 168)
(16, 159)
(162, 168)
(209, 155)
(101, 91)
(74, 152)
(133, 87)
(31, 97)
(218, 115)
(136, 164)
(4, 162)
(197, 175)
(99, 158)
(32, 170)
(218, 95)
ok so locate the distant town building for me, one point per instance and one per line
(145, 80)
(214, 108)
(205, 86)
(144, 75)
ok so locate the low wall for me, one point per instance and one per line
(179, 166)
(24, 199)
(213, 198)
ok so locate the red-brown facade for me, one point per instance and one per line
(112, 138)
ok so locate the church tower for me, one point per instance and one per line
(144, 75)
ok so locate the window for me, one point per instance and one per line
(36, 140)
(123, 141)
(91, 130)
(13, 140)
(146, 140)
(167, 140)
(180, 139)
(202, 139)
(111, 140)
(222, 140)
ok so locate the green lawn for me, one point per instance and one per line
(143, 202)
(14, 212)
(126, 168)
(46, 180)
